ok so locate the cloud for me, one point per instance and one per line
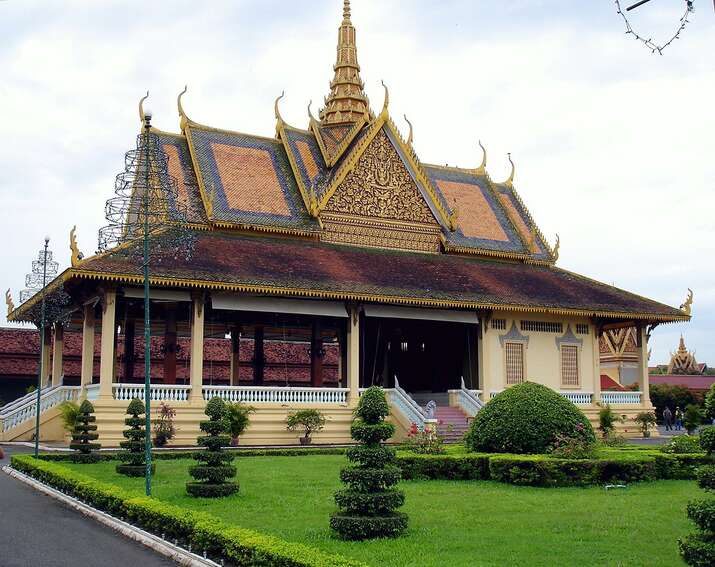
(613, 146)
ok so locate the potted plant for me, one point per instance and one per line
(164, 429)
(646, 420)
(692, 419)
(309, 420)
(236, 416)
(68, 414)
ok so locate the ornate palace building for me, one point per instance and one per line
(434, 282)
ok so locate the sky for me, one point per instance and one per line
(613, 145)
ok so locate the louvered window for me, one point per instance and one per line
(542, 327)
(583, 330)
(514, 363)
(569, 365)
(499, 324)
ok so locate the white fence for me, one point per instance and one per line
(578, 398)
(277, 395)
(621, 397)
(23, 412)
(158, 392)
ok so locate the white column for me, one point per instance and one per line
(196, 368)
(353, 356)
(87, 346)
(46, 358)
(644, 378)
(485, 383)
(596, 365)
(57, 349)
(107, 353)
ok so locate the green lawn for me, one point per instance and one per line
(451, 523)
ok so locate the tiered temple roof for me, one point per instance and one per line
(352, 212)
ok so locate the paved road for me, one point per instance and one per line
(38, 531)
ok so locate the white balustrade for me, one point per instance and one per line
(157, 392)
(21, 413)
(21, 401)
(621, 397)
(578, 398)
(277, 394)
(402, 402)
(92, 392)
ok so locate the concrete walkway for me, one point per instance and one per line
(37, 531)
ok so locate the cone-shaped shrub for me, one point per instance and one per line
(698, 549)
(84, 434)
(214, 476)
(368, 504)
(133, 456)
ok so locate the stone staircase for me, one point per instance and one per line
(453, 422)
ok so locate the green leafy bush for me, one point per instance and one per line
(133, 456)
(607, 420)
(693, 418)
(84, 434)
(212, 476)
(164, 429)
(237, 417)
(426, 441)
(682, 444)
(668, 395)
(69, 411)
(367, 506)
(526, 418)
(565, 447)
(444, 467)
(709, 405)
(309, 420)
(706, 477)
(707, 439)
(645, 420)
(203, 532)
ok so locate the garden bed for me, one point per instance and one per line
(284, 499)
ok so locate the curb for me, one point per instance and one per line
(177, 554)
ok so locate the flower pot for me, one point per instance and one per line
(305, 440)
(646, 434)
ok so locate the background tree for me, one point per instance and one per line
(213, 476)
(367, 506)
(84, 435)
(667, 395)
(133, 457)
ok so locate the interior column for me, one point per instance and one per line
(353, 356)
(170, 345)
(57, 348)
(87, 346)
(316, 356)
(259, 358)
(196, 369)
(107, 353)
(235, 356)
(129, 352)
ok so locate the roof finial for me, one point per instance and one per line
(482, 169)
(76, 254)
(141, 107)
(9, 302)
(510, 182)
(346, 11)
(275, 106)
(410, 137)
(184, 120)
(387, 97)
(557, 247)
(687, 307)
(310, 112)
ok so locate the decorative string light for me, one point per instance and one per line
(648, 42)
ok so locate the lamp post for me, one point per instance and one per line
(147, 318)
(42, 346)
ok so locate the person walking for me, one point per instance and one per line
(668, 419)
(678, 418)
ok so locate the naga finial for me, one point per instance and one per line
(142, 117)
(310, 112)
(184, 120)
(410, 137)
(76, 254)
(510, 182)
(557, 247)
(453, 219)
(531, 244)
(687, 307)
(482, 169)
(387, 98)
(9, 302)
(275, 107)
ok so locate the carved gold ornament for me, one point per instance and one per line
(687, 307)
(557, 248)
(381, 187)
(9, 302)
(76, 254)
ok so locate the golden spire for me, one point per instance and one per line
(347, 102)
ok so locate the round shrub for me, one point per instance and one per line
(133, 456)
(706, 477)
(707, 439)
(84, 435)
(526, 418)
(358, 528)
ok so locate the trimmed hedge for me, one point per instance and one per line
(205, 533)
(526, 419)
(444, 467)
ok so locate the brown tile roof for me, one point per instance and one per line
(309, 268)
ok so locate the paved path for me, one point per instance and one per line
(37, 531)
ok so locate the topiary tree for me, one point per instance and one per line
(84, 434)
(692, 419)
(215, 471)
(526, 418)
(367, 506)
(133, 457)
(698, 549)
